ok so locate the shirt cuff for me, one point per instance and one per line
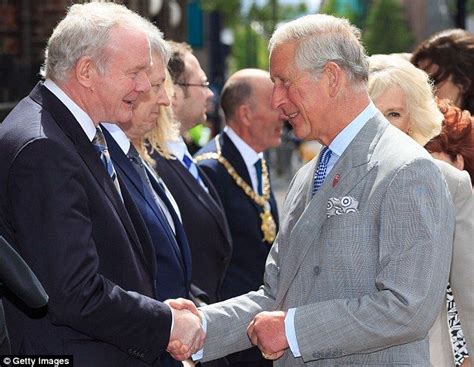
(291, 332)
(200, 353)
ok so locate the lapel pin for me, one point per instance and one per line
(336, 179)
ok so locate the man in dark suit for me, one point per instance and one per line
(235, 164)
(65, 210)
(153, 200)
(201, 210)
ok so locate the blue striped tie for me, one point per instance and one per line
(320, 173)
(100, 146)
(192, 168)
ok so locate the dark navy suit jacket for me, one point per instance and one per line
(204, 222)
(90, 250)
(173, 256)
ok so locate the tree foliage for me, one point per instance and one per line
(386, 29)
(345, 10)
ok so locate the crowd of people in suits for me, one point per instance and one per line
(149, 255)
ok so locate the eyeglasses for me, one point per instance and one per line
(202, 85)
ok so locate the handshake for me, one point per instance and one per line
(266, 330)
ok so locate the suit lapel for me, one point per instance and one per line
(181, 241)
(232, 154)
(64, 118)
(214, 205)
(125, 167)
(354, 164)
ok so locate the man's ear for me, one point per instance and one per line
(334, 75)
(85, 71)
(245, 114)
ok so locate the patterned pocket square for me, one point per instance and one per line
(344, 205)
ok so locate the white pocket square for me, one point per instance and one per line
(343, 205)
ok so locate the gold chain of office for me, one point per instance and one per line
(268, 225)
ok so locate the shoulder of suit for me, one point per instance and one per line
(453, 176)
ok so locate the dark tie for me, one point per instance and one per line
(100, 146)
(320, 173)
(258, 167)
(139, 166)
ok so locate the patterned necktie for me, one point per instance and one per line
(320, 173)
(258, 168)
(192, 168)
(100, 146)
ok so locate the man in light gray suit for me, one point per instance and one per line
(358, 271)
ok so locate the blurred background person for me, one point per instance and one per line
(235, 164)
(404, 95)
(455, 143)
(448, 57)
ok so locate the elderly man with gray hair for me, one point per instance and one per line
(69, 215)
(358, 271)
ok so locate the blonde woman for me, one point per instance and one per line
(405, 97)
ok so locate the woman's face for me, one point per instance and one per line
(445, 89)
(393, 105)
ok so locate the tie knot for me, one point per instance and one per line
(325, 155)
(99, 142)
(258, 166)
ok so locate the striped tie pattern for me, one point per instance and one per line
(100, 146)
(320, 173)
(192, 168)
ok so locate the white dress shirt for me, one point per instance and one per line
(83, 118)
(179, 149)
(249, 155)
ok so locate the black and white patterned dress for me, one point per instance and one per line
(457, 337)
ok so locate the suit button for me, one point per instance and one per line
(225, 259)
(317, 270)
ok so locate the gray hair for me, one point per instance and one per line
(321, 38)
(157, 44)
(85, 31)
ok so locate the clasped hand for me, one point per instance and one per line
(267, 332)
(187, 336)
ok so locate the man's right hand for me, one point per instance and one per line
(187, 336)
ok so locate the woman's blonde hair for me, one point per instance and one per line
(386, 71)
(167, 129)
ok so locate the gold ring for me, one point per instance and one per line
(266, 356)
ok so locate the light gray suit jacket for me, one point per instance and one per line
(462, 273)
(366, 286)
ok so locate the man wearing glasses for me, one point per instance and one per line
(201, 210)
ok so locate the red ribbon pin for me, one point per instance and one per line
(336, 179)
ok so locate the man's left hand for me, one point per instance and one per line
(267, 331)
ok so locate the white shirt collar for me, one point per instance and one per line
(82, 117)
(344, 138)
(179, 149)
(119, 136)
(249, 155)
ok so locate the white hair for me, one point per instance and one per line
(85, 31)
(388, 71)
(157, 44)
(321, 38)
